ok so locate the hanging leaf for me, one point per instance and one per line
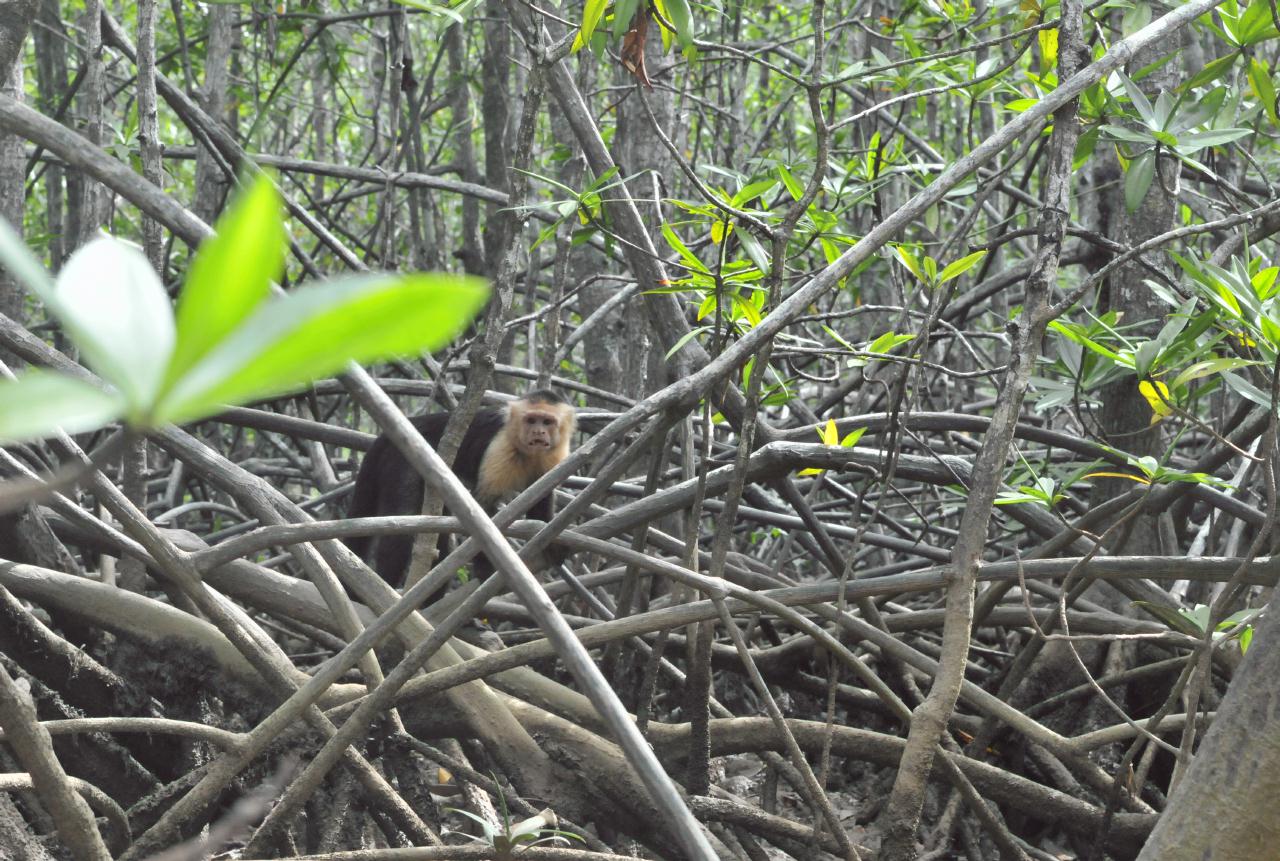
(907, 259)
(686, 338)
(686, 256)
(1139, 100)
(793, 186)
(754, 250)
(632, 52)
(682, 20)
(1243, 387)
(1262, 86)
(624, 12)
(1048, 40)
(660, 7)
(1135, 18)
(1137, 179)
(746, 310)
(1157, 395)
(591, 15)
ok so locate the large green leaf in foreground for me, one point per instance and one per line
(315, 331)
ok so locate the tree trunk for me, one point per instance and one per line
(15, 21)
(1224, 809)
(211, 182)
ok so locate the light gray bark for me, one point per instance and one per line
(85, 209)
(51, 83)
(639, 153)
(211, 182)
(1125, 417)
(15, 22)
(1225, 807)
(470, 247)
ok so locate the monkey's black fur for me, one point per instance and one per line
(387, 485)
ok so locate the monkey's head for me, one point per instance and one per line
(542, 423)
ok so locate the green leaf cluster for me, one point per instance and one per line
(228, 343)
(1169, 126)
(1194, 621)
(925, 268)
(1203, 343)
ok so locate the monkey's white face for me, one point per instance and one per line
(539, 430)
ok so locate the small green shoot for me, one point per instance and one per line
(1043, 492)
(925, 269)
(1194, 621)
(510, 836)
(1152, 472)
(830, 435)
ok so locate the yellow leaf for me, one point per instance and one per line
(811, 471)
(1136, 478)
(1157, 395)
(829, 434)
(1048, 48)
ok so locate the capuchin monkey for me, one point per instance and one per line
(504, 451)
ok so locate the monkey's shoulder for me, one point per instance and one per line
(431, 426)
(485, 426)
(487, 422)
